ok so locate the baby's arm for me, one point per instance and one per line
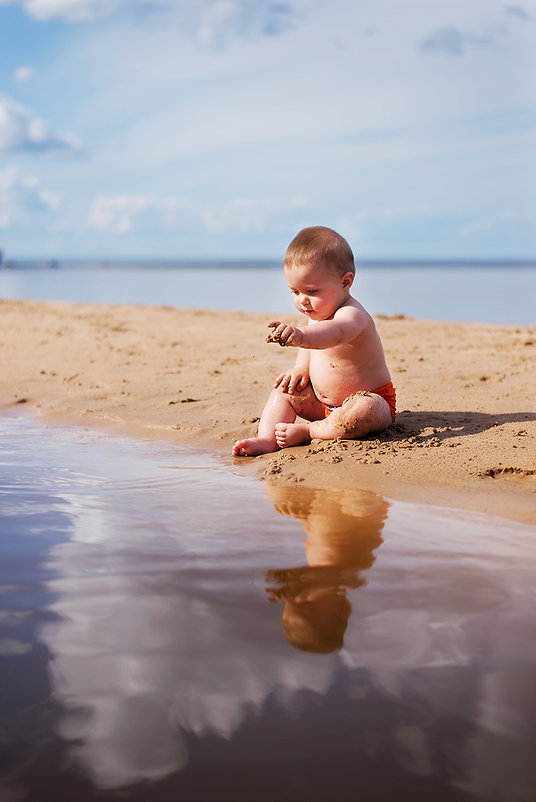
(346, 324)
(296, 378)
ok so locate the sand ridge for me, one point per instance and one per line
(466, 420)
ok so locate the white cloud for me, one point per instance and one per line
(454, 42)
(122, 214)
(181, 127)
(517, 11)
(306, 86)
(23, 73)
(21, 129)
(70, 10)
(21, 196)
(208, 20)
(219, 18)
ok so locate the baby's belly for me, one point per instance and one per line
(333, 383)
(333, 387)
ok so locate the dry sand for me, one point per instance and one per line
(465, 434)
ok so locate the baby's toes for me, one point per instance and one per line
(280, 433)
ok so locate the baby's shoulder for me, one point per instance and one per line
(353, 310)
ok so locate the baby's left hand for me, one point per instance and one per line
(284, 335)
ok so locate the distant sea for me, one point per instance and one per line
(463, 291)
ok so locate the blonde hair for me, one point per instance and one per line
(319, 242)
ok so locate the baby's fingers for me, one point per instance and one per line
(291, 384)
(281, 333)
(281, 380)
(294, 384)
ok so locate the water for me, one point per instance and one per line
(171, 628)
(457, 291)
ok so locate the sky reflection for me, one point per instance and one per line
(140, 626)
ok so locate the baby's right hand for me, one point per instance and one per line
(284, 334)
(291, 381)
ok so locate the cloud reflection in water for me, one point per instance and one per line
(165, 659)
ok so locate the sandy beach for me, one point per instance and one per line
(464, 436)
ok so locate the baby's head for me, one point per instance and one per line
(317, 624)
(318, 244)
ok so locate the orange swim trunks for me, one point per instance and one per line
(387, 391)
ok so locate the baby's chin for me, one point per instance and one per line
(316, 316)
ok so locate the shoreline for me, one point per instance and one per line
(464, 434)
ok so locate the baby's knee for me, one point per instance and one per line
(277, 395)
(370, 412)
(361, 415)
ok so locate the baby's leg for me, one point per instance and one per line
(281, 408)
(278, 408)
(360, 415)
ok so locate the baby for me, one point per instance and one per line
(340, 384)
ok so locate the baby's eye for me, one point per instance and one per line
(312, 292)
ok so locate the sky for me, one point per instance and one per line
(216, 129)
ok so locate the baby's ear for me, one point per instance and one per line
(348, 280)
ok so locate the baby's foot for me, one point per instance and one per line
(291, 434)
(253, 446)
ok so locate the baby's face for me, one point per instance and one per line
(317, 289)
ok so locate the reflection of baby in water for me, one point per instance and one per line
(343, 529)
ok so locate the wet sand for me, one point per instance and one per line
(464, 436)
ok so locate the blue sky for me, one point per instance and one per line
(218, 128)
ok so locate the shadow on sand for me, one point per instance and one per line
(447, 424)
